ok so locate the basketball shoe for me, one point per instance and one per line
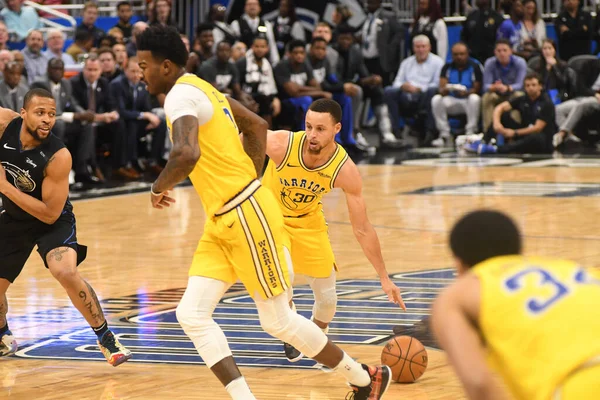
(114, 352)
(8, 344)
(292, 353)
(380, 382)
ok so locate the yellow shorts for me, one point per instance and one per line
(312, 254)
(582, 385)
(247, 243)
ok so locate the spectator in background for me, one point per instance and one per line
(124, 12)
(137, 119)
(352, 69)
(460, 85)
(120, 55)
(67, 109)
(138, 28)
(12, 89)
(20, 19)
(382, 38)
(186, 41)
(55, 42)
(257, 79)
(533, 31)
(323, 30)
(574, 28)
(5, 57)
(202, 49)
(162, 14)
(533, 134)
(92, 92)
(296, 84)
(511, 28)
(36, 62)
(3, 36)
(84, 41)
(503, 77)
(558, 80)
(287, 26)
(108, 64)
(415, 85)
(116, 34)
(88, 22)
(429, 21)
(341, 18)
(239, 50)
(221, 29)
(250, 24)
(479, 30)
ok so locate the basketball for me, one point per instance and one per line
(406, 357)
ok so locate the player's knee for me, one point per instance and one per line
(65, 274)
(325, 304)
(192, 319)
(276, 321)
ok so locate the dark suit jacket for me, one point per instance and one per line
(123, 94)
(6, 99)
(104, 99)
(66, 102)
(351, 65)
(390, 42)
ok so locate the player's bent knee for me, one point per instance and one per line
(325, 305)
(192, 319)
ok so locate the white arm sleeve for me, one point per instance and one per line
(184, 99)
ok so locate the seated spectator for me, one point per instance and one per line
(108, 64)
(5, 57)
(35, 61)
(239, 50)
(479, 30)
(429, 21)
(12, 89)
(162, 14)
(67, 109)
(341, 18)
(88, 22)
(558, 79)
(223, 74)
(138, 28)
(297, 85)
(106, 41)
(503, 77)
(20, 19)
(415, 85)
(92, 92)
(120, 52)
(286, 26)
(250, 24)
(135, 110)
(533, 31)
(84, 41)
(124, 12)
(323, 30)
(221, 29)
(202, 49)
(511, 28)
(460, 85)
(351, 68)
(533, 134)
(342, 92)
(55, 42)
(116, 34)
(257, 80)
(574, 28)
(3, 36)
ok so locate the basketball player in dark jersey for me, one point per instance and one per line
(34, 187)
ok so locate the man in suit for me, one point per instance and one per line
(135, 109)
(68, 110)
(12, 88)
(250, 25)
(92, 92)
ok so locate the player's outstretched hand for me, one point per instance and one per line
(393, 292)
(161, 200)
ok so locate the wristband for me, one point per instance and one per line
(153, 192)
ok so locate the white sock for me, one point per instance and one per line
(353, 372)
(238, 389)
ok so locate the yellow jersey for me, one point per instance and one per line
(224, 168)
(299, 190)
(540, 320)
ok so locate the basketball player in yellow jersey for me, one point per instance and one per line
(536, 319)
(243, 237)
(303, 167)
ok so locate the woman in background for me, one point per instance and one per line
(429, 22)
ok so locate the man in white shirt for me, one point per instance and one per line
(35, 61)
(417, 81)
(250, 25)
(55, 42)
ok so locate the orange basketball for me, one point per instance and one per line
(406, 357)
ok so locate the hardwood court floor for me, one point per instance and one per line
(135, 249)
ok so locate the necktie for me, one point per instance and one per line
(134, 93)
(91, 98)
(368, 35)
(15, 101)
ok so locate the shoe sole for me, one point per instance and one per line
(293, 360)
(121, 359)
(387, 386)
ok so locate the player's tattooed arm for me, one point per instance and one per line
(184, 155)
(6, 115)
(254, 129)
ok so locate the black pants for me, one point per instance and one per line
(535, 143)
(374, 67)
(126, 141)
